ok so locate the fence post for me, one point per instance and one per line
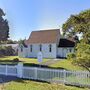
(64, 72)
(20, 69)
(36, 73)
(6, 70)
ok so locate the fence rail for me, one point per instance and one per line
(80, 78)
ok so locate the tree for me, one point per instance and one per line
(22, 42)
(4, 27)
(78, 24)
(83, 55)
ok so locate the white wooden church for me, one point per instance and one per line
(49, 42)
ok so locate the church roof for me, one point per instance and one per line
(44, 36)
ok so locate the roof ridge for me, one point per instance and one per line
(45, 30)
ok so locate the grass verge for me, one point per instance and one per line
(33, 85)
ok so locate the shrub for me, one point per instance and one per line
(71, 56)
(15, 60)
(83, 55)
(9, 51)
(6, 51)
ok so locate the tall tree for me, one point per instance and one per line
(78, 24)
(4, 27)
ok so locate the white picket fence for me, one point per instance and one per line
(79, 78)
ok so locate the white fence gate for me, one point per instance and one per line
(79, 78)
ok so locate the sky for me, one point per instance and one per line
(25, 16)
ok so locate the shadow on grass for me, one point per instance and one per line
(5, 79)
(25, 80)
(42, 66)
(20, 80)
(9, 62)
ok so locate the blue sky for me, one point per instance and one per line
(25, 16)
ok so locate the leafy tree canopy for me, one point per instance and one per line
(78, 24)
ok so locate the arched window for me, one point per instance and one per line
(30, 48)
(50, 48)
(40, 47)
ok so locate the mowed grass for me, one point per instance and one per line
(24, 60)
(33, 85)
(66, 64)
(21, 84)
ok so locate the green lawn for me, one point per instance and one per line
(33, 85)
(78, 80)
(66, 64)
(24, 60)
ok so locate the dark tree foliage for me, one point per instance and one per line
(6, 51)
(4, 27)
